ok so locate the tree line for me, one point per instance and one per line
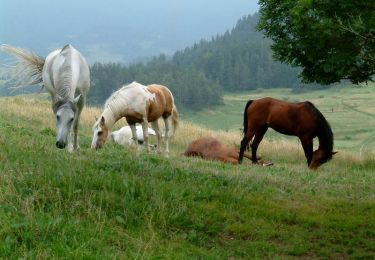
(240, 59)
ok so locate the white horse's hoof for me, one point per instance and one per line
(70, 148)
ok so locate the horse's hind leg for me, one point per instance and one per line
(155, 126)
(168, 126)
(255, 143)
(307, 144)
(245, 141)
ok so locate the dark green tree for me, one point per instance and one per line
(330, 39)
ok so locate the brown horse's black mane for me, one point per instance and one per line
(324, 134)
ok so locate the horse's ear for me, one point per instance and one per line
(333, 153)
(75, 101)
(102, 121)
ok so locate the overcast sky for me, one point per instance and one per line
(117, 29)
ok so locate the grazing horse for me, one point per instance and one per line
(299, 119)
(138, 104)
(212, 149)
(66, 76)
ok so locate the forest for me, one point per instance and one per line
(240, 59)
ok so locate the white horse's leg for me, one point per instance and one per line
(73, 143)
(75, 128)
(168, 126)
(134, 134)
(73, 136)
(145, 134)
(155, 126)
(71, 140)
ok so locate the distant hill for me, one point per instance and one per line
(240, 59)
(113, 30)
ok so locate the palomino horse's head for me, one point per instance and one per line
(319, 157)
(100, 133)
(65, 110)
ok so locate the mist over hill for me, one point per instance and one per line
(117, 31)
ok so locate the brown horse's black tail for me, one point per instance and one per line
(245, 126)
(245, 120)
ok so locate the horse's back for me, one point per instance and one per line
(66, 67)
(284, 117)
(162, 104)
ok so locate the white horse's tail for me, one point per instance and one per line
(28, 66)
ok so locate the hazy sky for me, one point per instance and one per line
(117, 30)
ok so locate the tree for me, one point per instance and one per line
(330, 39)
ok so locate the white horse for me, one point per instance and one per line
(123, 136)
(66, 76)
(138, 104)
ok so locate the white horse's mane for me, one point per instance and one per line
(64, 81)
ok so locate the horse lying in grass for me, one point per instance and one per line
(66, 76)
(212, 149)
(299, 119)
(138, 104)
(123, 136)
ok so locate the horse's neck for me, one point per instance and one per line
(110, 117)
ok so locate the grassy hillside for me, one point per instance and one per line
(350, 111)
(115, 203)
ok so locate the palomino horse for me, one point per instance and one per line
(212, 149)
(300, 119)
(138, 104)
(66, 76)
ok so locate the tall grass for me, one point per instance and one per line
(117, 203)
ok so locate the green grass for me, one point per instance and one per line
(114, 203)
(350, 111)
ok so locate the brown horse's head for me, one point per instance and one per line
(319, 157)
(100, 134)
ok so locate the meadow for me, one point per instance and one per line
(120, 203)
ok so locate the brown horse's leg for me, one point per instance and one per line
(245, 141)
(254, 145)
(307, 144)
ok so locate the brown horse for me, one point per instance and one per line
(212, 149)
(299, 119)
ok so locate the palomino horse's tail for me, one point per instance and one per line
(28, 68)
(175, 117)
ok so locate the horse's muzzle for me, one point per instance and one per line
(60, 144)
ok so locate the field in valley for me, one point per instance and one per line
(117, 203)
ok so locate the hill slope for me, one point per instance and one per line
(113, 203)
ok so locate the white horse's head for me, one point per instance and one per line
(100, 135)
(65, 112)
